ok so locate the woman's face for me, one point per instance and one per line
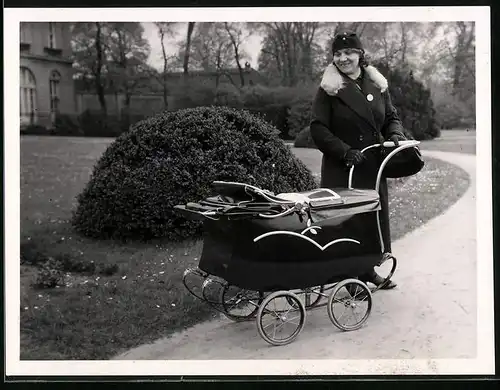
(347, 60)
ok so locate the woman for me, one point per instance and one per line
(352, 109)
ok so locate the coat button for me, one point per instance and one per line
(361, 138)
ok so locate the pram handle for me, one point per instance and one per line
(402, 145)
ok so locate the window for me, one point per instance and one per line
(55, 78)
(52, 35)
(27, 97)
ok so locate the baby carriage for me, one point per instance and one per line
(272, 256)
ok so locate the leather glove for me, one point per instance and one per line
(395, 138)
(354, 157)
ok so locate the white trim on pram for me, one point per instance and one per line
(284, 232)
(313, 228)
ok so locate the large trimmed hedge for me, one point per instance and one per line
(173, 158)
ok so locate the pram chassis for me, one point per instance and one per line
(216, 291)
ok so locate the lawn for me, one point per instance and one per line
(114, 296)
(459, 141)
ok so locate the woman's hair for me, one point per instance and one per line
(364, 60)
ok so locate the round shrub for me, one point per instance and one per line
(172, 158)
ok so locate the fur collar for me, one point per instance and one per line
(332, 80)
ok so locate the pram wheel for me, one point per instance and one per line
(350, 298)
(210, 290)
(312, 296)
(239, 304)
(193, 279)
(386, 271)
(279, 312)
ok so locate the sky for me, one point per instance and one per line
(251, 45)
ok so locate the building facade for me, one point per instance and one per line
(46, 73)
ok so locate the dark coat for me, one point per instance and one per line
(343, 118)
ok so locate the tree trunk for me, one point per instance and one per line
(188, 47)
(218, 70)
(165, 89)
(404, 43)
(236, 55)
(99, 87)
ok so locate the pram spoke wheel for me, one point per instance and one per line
(210, 290)
(193, 279)
(350, 304)
(239, 304)
(281, 317)
(386, 270)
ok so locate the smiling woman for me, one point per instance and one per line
(352, 110)
(347, 60)
(348, 54)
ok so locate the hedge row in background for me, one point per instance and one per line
(87, 124)
(287, 108)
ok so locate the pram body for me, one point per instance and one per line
(268, 243)
(250, 249)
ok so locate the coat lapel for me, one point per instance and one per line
(356, 99)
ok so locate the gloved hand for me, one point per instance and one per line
(354, 157)
(395, 138)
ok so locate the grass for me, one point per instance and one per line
(458, 141)
(95, 316)
(419, 198)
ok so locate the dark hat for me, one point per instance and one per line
(346, 40)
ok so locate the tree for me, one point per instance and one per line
(462, 53)
(289, 50)
(90, 51)
(188, 47)
(236, 36)
(165, 29)
(269, 60)
(128, 54)
(217, 47)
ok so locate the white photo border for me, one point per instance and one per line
(484, 364)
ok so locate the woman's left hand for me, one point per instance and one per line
(395, 138)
